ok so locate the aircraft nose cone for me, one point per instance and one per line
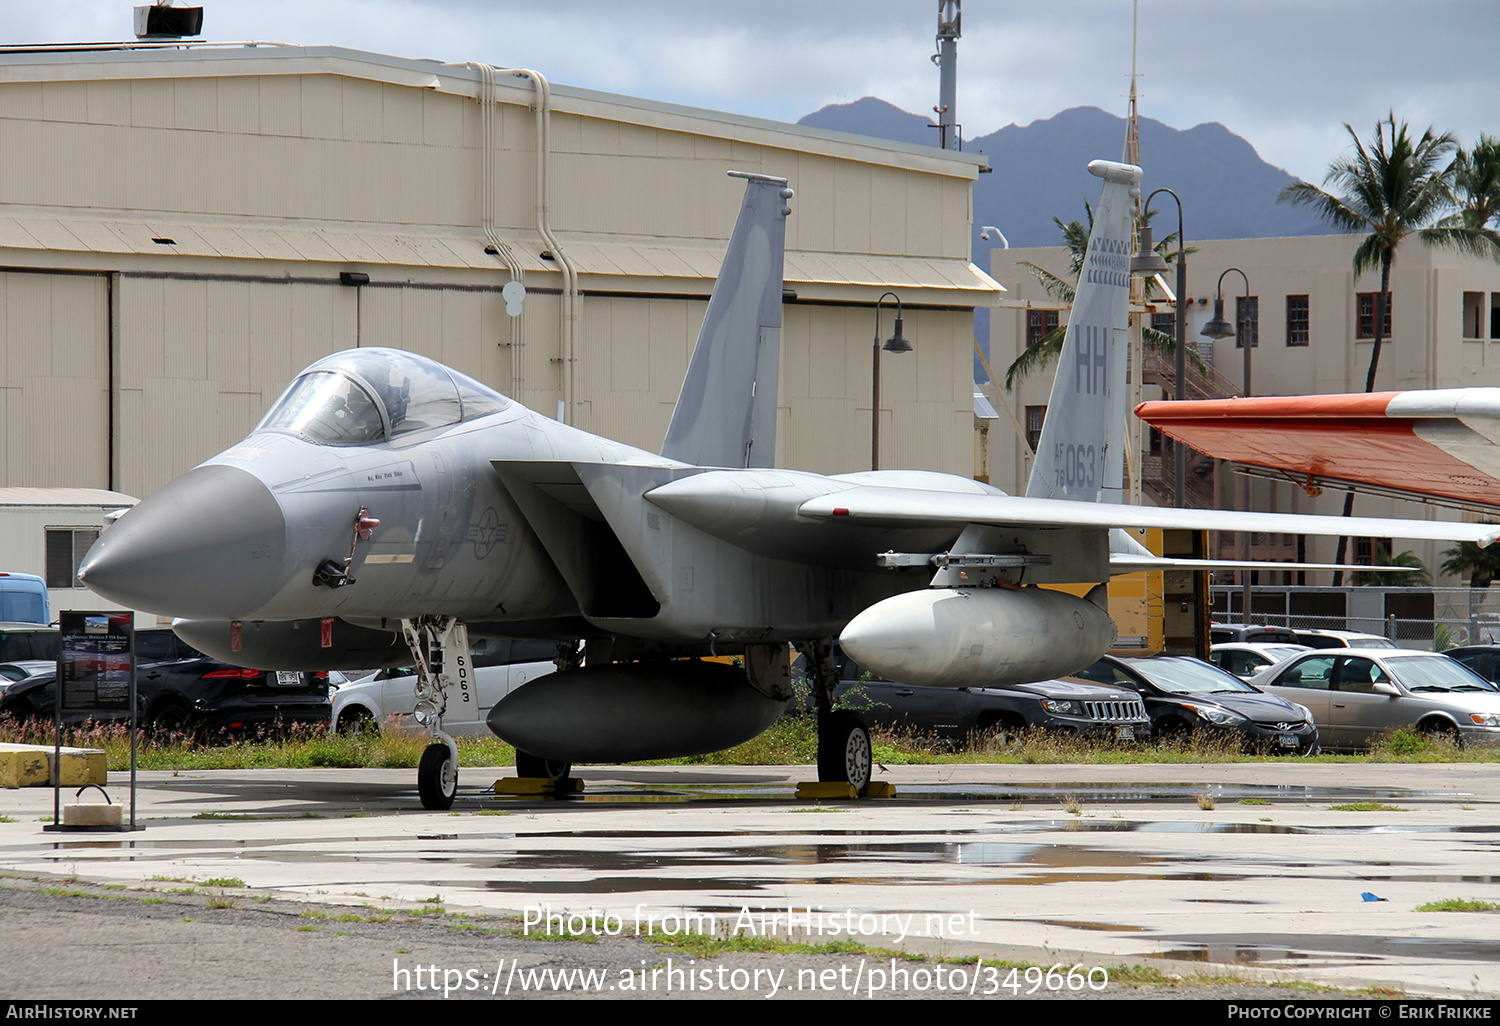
(210, 545)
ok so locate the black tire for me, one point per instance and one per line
(844, 753)
(1440, 731)
(437, 778)
(1001, 734)
(555, 770)
(169, 718)
(357, 720)
(1173, 731)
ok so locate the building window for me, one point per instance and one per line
(1366, 549)
(1247, 320)
(65, 550)
(1034, 417)
(1166, 323)
(1297, 325)
(1473, 315)
(1038, 323)
(1366, 321)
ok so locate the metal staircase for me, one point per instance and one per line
(1158, 469)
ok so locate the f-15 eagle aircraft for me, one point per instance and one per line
(387, 503)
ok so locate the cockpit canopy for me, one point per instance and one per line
(364, 396)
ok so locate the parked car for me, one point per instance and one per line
(1357, 694)
(1318, 638)
(1482, 659)
(23, 598)
(1219, 633)
(180, 688)
(1068, 706)
(500, 666)
(1184, 695)
(22, 642)
(1245, 659)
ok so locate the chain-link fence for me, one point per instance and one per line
(1423, 618)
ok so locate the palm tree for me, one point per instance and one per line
(1481, 564)
(1046, 349)
(1476, 185)
(1413, 575)
(1397, 187)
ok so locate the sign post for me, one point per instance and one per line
(95, 673)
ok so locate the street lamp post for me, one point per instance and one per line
(1148, 262)
(897, 343)
(1218, 327)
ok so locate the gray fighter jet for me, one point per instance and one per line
(388, 507)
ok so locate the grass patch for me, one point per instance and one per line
(1206, 802)
(1254, 801)
(701, 945)
(1407, 745)
(1137, 976)
(564, 935)
(1459, 905)
(224, 881)
(1366, 807)
(292, 748)
(791, 741)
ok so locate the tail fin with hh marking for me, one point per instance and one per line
(1081, 454)
(726, 412)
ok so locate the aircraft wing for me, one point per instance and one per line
(878, 504)
(1122, 563)
(1442, 444)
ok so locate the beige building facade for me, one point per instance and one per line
(183, 229)
(1313, 322)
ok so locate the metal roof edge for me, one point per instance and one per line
(263, 58)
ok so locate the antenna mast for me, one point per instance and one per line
(950, 27)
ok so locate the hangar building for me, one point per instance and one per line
(183, 228)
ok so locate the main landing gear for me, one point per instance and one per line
(440, 649)
(844, 750)
(844, 753)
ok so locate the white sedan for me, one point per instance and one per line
(1245, 659)
(388, 697)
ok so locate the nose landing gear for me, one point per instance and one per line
(440, 649)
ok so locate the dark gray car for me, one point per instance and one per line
(1067, 706)
(1185, 695)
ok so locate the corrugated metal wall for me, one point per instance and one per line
(213, 209)
(54, 395)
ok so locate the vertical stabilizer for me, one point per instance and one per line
(1081, 454)
(726, 413)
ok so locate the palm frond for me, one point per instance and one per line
(1036, 357)
(1164, 345)
(1058, 288)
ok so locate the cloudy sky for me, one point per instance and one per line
(1285, 74)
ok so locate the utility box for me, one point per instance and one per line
(163, 21)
